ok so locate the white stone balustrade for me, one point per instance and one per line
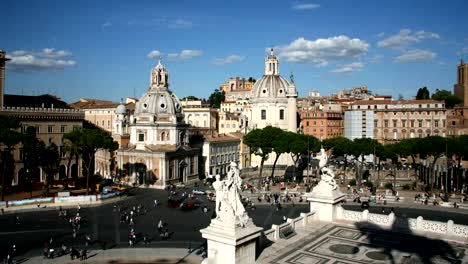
(417, 226)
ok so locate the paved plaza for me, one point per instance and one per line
(340, 244)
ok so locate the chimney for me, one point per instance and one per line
(3, 59)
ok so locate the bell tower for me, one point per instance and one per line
(3, 59)
(272, 64)
(159, 77)
(461, 88)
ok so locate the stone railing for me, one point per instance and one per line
(274, 232)
(418, 226)
(41, 109)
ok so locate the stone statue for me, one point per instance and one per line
(328, 176)
(218, 185)
(229, 207)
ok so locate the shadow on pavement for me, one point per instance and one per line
(415, 248)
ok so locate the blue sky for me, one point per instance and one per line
(103, 49)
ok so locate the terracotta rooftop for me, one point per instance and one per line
(396, 102)
(87, 103)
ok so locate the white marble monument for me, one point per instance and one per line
(326, 197)
(231, 235)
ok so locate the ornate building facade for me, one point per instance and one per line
(390, 121)
(157, 152)
(272, 103)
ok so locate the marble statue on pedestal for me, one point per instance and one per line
(231, 236)
(328, 176)
(229, 207)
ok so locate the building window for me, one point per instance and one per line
(420, 123)
(263, 113)
(412, 123)
(171, 169)
(394, 123)
(62, 129)
(102, 123)
(108, 123)
(403, 123)
(375, 123)
(307, 123)
(38, 129)
(50, 129)
(386, 123)
(141, 137)
(192, 165)
(281, 114)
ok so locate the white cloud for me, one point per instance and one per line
(185, 54)
(106, 24)
(381, 34)
(304, 6)
(322, 51)
(154, 54)
(347, 68)
(52, 53)
(46, 59)
(406, 37)
(228, 60)
(416, 55)
(179, 23)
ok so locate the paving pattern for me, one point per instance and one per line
(332, 244)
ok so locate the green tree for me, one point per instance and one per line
(71, 142)
(432, 147)
(279, 143)
(251, 80)
(458, 147)
(259, 144)
(450, 99)
(88, 141)
(9, 137)
(50, 162)
(359, 148)
(31, 158)
(297, 146)
(423, 93)
(340, 146)
(111, 146)
(216, 98)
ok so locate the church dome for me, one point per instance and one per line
(121, 109)
(159, 99)
(270, 86)
(159, 102)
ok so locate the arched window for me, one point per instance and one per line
(263, 114)
(281, 114)
(163, 136)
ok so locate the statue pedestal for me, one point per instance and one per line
(325, 202)
(231, 244)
